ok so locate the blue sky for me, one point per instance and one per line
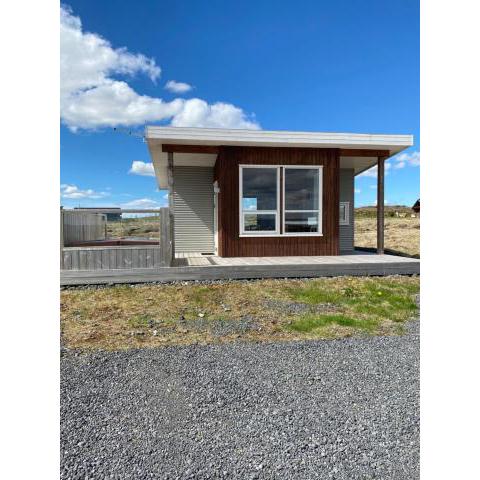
(346, 66)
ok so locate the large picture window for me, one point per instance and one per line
(262, 213)
(259, 192)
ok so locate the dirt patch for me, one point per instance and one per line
(298, 308)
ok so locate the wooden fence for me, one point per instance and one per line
(81, 227)
(111, 257)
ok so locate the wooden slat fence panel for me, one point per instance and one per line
(91, 226)
(80, 227)
(113, 258)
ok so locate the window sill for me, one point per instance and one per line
(284, 235)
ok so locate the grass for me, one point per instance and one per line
(365, 304)
(123, 317)
(310, 323)
(145, 227)
(401, 234)
(312, 294)
(390, 211)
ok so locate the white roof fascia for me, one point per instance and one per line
(216, 136)
(156, 136)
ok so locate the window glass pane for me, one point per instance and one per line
(259, 222)
(342, 212)
(301, 189)
(301, 222)
(259, 189)
(249, 203)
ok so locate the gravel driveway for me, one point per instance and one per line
(342, 409)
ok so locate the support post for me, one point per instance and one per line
(380, 204)
(62, 242)
(165, 241)
(171, 206)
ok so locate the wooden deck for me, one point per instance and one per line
(200, 267)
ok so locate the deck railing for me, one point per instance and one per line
(111, 238)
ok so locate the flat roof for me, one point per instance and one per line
(271, 138)
(157, 136)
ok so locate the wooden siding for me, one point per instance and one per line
(230, 244)
(190, 149)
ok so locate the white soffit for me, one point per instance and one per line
(358, 164)
(160, 162)
(157, 136)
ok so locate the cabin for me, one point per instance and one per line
(112, 214)
(258, 193)
(245, 204)
(416, 207)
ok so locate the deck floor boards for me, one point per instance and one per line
(198, 267)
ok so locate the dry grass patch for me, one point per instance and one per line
(401, 234)
(147, 316)
(147, 227)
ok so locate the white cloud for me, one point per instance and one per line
(373, 187)
(142, 203)
(91, 95)
(72, 191)
(403, 159)
(397, 162)
(372, 172)
(198, 113)
(114, 103)
(357, 190)
(142, 168)
(177, 87)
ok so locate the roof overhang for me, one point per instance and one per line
(355, 147)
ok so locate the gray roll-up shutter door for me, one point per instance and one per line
(193, 209)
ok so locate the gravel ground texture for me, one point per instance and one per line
(340, 409)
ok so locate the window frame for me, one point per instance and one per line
(346, 220)
(280, 212)
(319, 212)
(242, 212)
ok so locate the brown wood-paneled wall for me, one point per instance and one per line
(230, 244)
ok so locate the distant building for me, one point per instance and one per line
(114, 214)
(416, 207)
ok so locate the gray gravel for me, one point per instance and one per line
(298, 308)
(218, 328)
(342, 409)
(204, 282)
